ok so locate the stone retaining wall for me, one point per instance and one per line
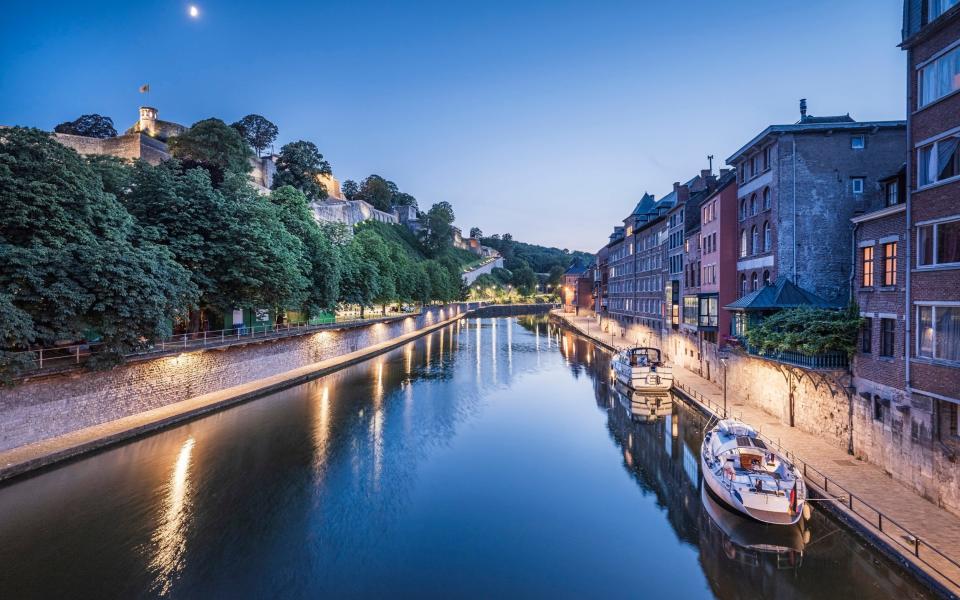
(48, 407)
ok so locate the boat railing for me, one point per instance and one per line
(946, 566)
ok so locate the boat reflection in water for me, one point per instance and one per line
(643, 406)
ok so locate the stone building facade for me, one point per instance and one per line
(798, 186)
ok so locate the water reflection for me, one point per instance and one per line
(427, 472)
(170, 538)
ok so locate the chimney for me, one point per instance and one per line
(724, 172)
(803, 108)
(682, 192)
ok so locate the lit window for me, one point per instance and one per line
(867, 260)
(857, 183)
(938, 244)
(890, 264)
(939, 161)
(857, 142)
(938, 329)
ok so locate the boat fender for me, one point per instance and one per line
(806, 512)
(737, 495)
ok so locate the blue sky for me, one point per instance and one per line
(547, 120)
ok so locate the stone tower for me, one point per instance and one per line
(148, 121)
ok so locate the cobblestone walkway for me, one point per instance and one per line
(873, 490)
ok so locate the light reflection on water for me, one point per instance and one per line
(416, 476)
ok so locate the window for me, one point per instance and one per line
(753, 282)
(888, 328)
(880, 408)
(938, 244)
(753, 205)
(866, 336)
(867, 260)
(766, 278)
(857, 142)
(743, 285)
(890, 264)
(891, 192)
(743, 209)
(755, 240)
(754, 166)
(953, 418)
(743, 242)
(939, 161)
(766, 157)
(766, 198)
(708, 311)
(857, 183)
(742, 172)
(939, 78)
(938, 7)
(767, 237)
(690, 307)
(938, 332)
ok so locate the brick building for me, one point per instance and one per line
(931, 38)
(798, 186)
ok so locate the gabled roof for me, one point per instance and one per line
(576, 269)
(645, 205)
(781, 294)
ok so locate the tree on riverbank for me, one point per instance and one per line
(87, 266)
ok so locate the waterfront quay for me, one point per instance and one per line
(886, 512)
(479, 460)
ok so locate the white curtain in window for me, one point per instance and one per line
(946, 162)
(948, 333)
(925, 331)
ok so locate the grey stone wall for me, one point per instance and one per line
(51, 406)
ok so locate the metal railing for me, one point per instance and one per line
(946, 567)
(76, 354)
(825, 360)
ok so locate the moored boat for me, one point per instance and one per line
(744, 473)
(643, 370)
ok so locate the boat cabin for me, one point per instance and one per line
(643, 357)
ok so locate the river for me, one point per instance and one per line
(492, 458)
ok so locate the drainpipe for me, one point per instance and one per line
(907, 310)
(851, 391)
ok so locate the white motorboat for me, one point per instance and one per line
(643, 370)
(644, 407)
(750, 477)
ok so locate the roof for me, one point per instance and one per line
(645, 205)
(781, 294)
(814, 125)
(576, 269)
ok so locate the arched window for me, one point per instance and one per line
(766, 198)
(753, 283)
(766, 278)
(743, 285)
(743, 209)
(754, 240)
(743, 242)
(753, 205)
(767, 241)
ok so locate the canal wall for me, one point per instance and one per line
(47, 407)
(511, 310)
(826, 403)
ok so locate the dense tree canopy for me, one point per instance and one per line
(350, 189)
(299, 165)
(475, 232)
(540, 258)
(88, 267)
(439, 222)
(257, 131)
(94, 125)
(378, 192)
(213, 145)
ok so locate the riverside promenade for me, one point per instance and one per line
(858, 492)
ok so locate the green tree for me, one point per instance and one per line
(555, 275)
(213, 145)
(350, 189)
(441, 287)
(299, 165)
(96, 126)
(324, 272)
(88, 267)
(439, 222)
(115, 173)
(476, 233)
(504, 276)
(377, 252)
(360, 282)
(524, 279)
(378, 192)
(257, 131)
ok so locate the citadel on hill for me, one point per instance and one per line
(147, 140)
